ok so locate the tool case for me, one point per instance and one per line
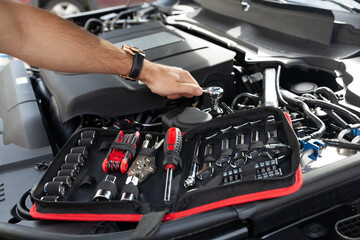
(254, 156)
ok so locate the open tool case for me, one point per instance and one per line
(259, 155)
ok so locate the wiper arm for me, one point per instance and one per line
(348, 5)
(344, 5)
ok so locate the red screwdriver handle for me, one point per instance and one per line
(172, 149)
(173, 140)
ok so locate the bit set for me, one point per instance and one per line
(121, 152)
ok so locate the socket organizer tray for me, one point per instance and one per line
(112, 175)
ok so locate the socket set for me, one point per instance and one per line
(87, 139)
(73, 161)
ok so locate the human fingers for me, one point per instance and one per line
(188, 89)
(175, 96)
(186, 77)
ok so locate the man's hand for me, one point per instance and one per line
(172, 82)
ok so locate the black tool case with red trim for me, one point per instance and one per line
(269, 168)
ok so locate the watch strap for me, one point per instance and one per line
(138, 62)
(137, 65)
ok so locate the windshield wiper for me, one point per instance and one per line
(352, 6)
(345, 4)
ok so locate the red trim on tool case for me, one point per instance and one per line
(171, 216)
(288, 118)
(241, 199)
(85, 216)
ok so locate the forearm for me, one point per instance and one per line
(60, 45)
(47, 41)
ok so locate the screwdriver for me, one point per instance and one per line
(172, 160)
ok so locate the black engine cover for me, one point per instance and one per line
(110, 96)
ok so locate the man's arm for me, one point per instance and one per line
(45, 40)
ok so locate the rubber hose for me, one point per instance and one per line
(343, 133)
(343, 145)
(93, 20)
(278, 92)
(319, 124)
(21, 208)
(323, 104)
(43, 91)
(336, 118)
(312, 117)
(335, 127)
(246, 95)
(356, 139)
(328, 93)
(277, 87)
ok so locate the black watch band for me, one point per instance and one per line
(136, 68)
(138, 62)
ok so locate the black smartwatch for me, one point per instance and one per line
(138, 62)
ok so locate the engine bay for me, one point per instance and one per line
(317, 95)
